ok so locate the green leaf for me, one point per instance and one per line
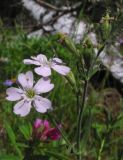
(93, 71)
(12, 137)
(22, 145)
(8, 157)
(57, 155)
(86, 129)
(26, 130)
(118, 124)
(10, 133)
(70, 45)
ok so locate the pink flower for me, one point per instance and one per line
(44, 132)
(29, 95)
(45, 66)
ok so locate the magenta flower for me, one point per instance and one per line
(44, 132)
(45, 66)
(29, 95)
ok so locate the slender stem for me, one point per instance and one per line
(77, 103)
(108, 132)
(59, 129)
(96, 58)
(101, 149)
(80, 119)
(29, 150)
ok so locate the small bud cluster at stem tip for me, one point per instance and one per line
(28, 94)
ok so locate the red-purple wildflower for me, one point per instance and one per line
(43, 131)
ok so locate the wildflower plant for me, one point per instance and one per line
(58, 115)
(46, 135)
(29, 93)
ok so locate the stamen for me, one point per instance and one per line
(30, 93)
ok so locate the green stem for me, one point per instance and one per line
(96, 58)
(57, 155)
(101, 149)
(77, 103)
(79, 124)
(59, 129)
(108, 132)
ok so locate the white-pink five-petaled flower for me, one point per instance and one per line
(29, 95)
(45, 66)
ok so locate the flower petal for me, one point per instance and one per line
(46, 124)
(42, 104)
(29, 61)
(22, 108)
(14, 94)
(29, 78)
(43, 71)
(42, 58)
(57, 60)
(38, 123)
(26, 80)
(43, 86)
(64, 70)
(22, 80)
(53, 134)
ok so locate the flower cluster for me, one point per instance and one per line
(44, 132)
(29, 93)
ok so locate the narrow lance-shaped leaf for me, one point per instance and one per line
(12, 137)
